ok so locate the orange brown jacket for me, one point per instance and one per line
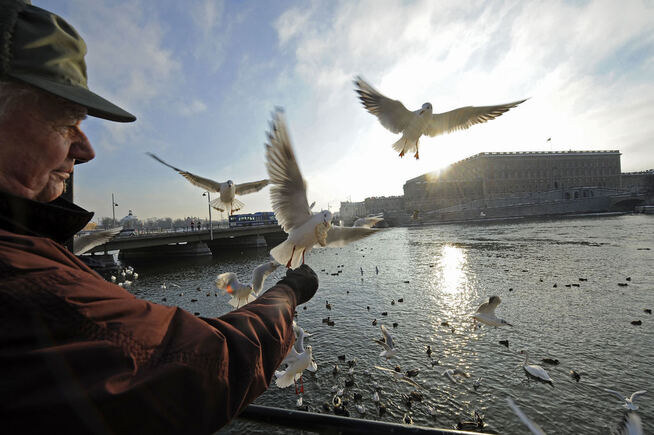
(81, 355)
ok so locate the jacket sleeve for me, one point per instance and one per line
(83, 353)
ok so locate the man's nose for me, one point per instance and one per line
(81, 149)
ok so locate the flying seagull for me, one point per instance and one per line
(398, 119)
(628, 401)
(288, 195)
(486, 313)
(228, 190)
(368, 222)
(387, 343)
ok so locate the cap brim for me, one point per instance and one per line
(95, 104)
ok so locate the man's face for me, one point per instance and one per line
(40, 139)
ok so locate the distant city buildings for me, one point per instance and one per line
(510, 184)
(511, 174)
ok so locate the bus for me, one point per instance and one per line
(252, 219)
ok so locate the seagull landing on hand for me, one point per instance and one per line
(628, 401)
(486, 313)
(228, 190)
(387, 343)
(288, 195)
(395, 117)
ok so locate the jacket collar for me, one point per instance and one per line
(58, 220)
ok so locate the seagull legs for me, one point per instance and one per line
(402, 153)
(288, 265)
(416, 154)
(303, 251)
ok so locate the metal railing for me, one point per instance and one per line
(333, 424)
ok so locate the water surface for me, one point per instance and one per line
(451, 270)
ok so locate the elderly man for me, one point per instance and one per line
(79, 354)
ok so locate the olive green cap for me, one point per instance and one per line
(40, 48)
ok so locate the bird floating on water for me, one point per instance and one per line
(451, 372)
(398, 119)
(535, 370)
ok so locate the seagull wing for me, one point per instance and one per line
(616, 393)
(227, 281)
(367, 222)
(489, 307)
(533, 427)
(340, 236)
(637, 394)
(385, 369)
(410, 382)
(260, 274)
(251, 187)
(391, 113)
(205, 183)
(288, 193)
(387, 336)
(382, 343)
(83, 244)
(465, 117)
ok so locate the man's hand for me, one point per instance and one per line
(303, 281)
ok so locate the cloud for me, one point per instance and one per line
(569, 57)
(191, 108)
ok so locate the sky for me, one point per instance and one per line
(204, 76)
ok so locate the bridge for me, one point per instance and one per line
(192, 243)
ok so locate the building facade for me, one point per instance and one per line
(489, 176)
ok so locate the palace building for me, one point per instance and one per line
(543, 175)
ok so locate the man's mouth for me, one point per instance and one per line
(63, 174)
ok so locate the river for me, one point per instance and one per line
(443, 273)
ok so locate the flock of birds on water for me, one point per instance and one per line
(307, 230)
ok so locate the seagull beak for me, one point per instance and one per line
(229, 289)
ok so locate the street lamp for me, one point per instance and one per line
(208, 195)
(113, 209)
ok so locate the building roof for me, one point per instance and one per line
(521, 154)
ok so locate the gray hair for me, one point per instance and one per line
(13, 93)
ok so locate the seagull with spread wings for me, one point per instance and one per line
(387, 343)
(244, 294)
(398, 119)
(288, 195)
(368, 222)
(228, 190)
(628, 401)
(486, 313)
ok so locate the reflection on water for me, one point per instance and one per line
(443, 273)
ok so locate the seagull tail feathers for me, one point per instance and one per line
(284, 251)
(284, 379)
(404, 145)
(237, 205)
